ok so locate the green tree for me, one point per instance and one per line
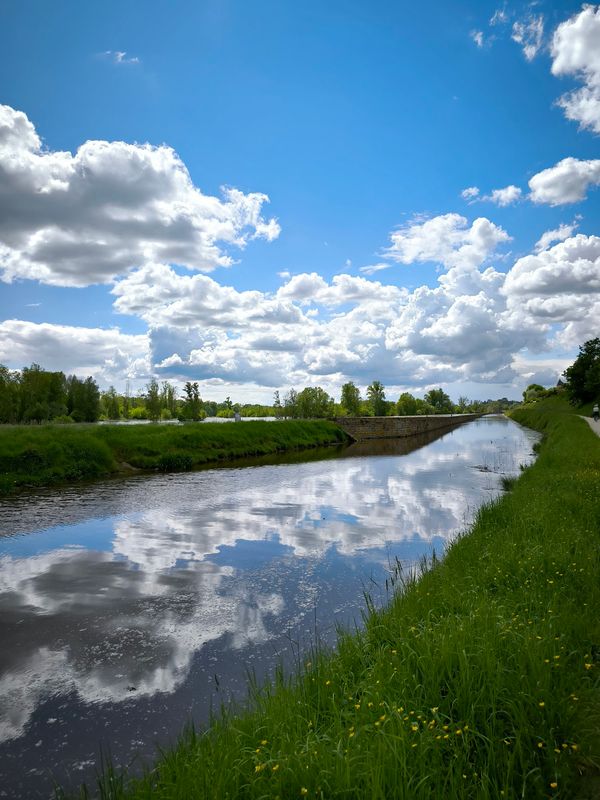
(192, 406)
(406, 405)
(111, 403)
(168, 400)
(583, 376)
(314, 402)
(290, 404)
(376, 398)
(83, 399)
(350, 399)
(10, 386)
(462, 405)
(533, 392)
(439, 401)
(277, 407)
(153, 404)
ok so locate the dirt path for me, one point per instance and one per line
(595, 426)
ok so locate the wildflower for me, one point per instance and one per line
(259, 767)
(587, 665)
(275, 767)
(351, 734)
(264, 742)
(357, 706)
(382, 717)
(541, 704)
(327, 683)
(554, 785)
(574, 747)
(414, 727)
(434, 710)
(540, 744)
(303, 790)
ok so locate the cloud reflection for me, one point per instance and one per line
(229, 556)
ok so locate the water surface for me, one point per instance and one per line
(128, 607)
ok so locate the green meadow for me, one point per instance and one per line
(45, 455)
(478, 680)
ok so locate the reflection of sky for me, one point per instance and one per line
(116, 610)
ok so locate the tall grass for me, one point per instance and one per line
(50, 454)
(479, 680)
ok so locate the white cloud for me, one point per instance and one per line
(470, 193)
(108, 355)
(565, 182)
(576, 51)
(529, 33)
(74, 220)
(555, 235)
(559, 286)
(504, 197)
(446, 239)
(499, 17)
(121, 57)
(477, 37)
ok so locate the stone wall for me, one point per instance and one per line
(361, 428)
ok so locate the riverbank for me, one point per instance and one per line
(481, 680)
(40, 456)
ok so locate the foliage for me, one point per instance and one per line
(439, 401)
(406, 405)
(583, 376)
(350, 400)
(313, 403)
(479, 680)
(48, 454)
(376, 398)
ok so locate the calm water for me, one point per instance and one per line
(128, 607)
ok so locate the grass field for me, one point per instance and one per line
(51, 454)
(480, 680)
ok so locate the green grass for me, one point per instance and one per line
(479, 680)
(51, 454)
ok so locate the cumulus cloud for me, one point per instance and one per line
(576, 52)
(108, 355)
(504, 197)
(447, 239)
(529, 33)
(565, 182)
(559, 286)
(75, 220)
(555, 235)
(470, 193)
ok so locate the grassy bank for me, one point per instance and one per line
(51, 454)
(481, 680)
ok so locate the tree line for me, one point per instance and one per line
(35, 395)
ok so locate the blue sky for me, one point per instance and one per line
(363, 124)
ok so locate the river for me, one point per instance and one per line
(129, 607)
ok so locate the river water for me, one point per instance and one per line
(129, 607)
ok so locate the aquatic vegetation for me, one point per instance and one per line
(480, 679)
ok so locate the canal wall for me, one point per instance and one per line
(361, 428)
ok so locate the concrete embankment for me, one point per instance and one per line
(361, 428)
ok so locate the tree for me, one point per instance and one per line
(83, 399)
(111, 403)
(277, 408)
(533, 392)
(168, 400)
(583, 376)
(290, 404)
(9, 395)
(376, 398)
(153, 404)
(314, 402)
(439, 401)
(192, 406)
(350, 399)
(406, 405)
(462, 405)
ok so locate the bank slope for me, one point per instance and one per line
(50, 454)
(481, 680)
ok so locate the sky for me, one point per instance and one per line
(258, 196)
